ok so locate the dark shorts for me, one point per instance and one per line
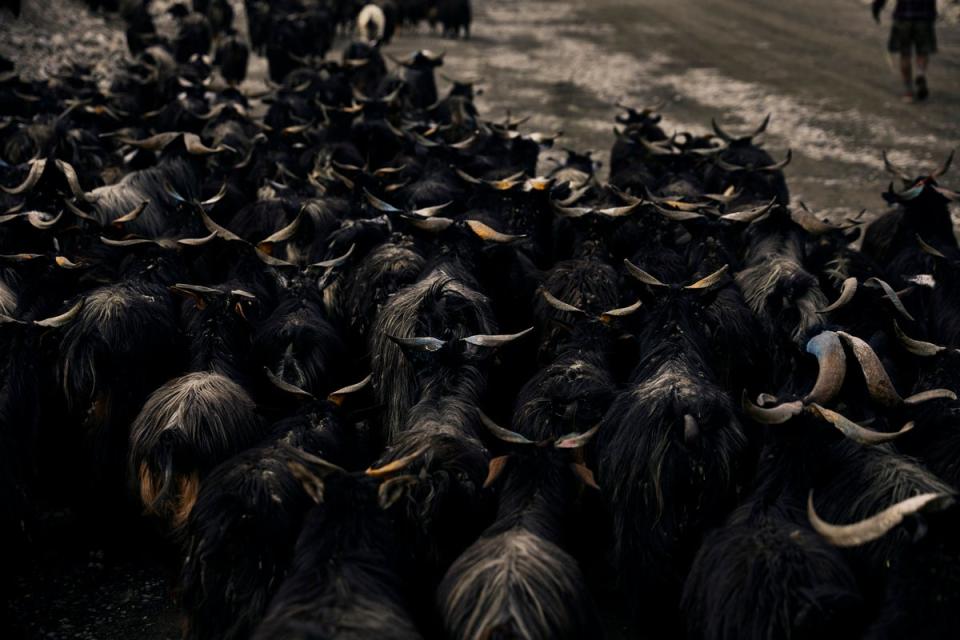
(913, 35)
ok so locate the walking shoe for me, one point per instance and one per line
(908, 96)
(922, 91)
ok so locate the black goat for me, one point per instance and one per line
(517, 580)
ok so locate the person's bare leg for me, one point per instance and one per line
(906, 71)
(922, 90)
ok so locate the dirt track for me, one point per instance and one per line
(819, 66)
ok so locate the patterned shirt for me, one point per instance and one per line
(913, 9)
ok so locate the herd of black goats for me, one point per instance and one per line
(370, 376)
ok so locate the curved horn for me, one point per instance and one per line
(854, 431)
(879, 385)
(874, 527)
(466, 177)
(558, 304)
(723, 135)
(916, 347)
(502, 434)
(710, 280)
(196, 242)
(929, 249)
(396, 465)
(485, 232)
(72, 180)
(131, 242)
(576, 440)
(66, 263)
(62, 319)
(36, 170)
(430, 225)
(153, 143)
(832, 361)
(928, 395)
(676, 215)
(40, 219)
(642, 275)
(779, 166)
(847, 291)
(494, 341)
(315, 461)
(222, 232)
(337, 397)
(429, 212)
(129, 217)
(895, 170)
(286, 387)
(944, 167)
(426, 344)
(618, 212)
(570, 212)
(335, 262)
(762, 128)
(622, 312)
(810, 223)
(773, 415)
(214, 199)
(892, 296)
(750, 215)
(195, 146)
(282, 235)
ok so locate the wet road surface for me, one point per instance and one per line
(820, 67)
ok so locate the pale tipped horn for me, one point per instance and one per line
(847, 291)
(856, 432)
(711, 280)
(493, 341)
(642, 275)
(874, 527)
(916, 347)
(502, 434)
(558, 304)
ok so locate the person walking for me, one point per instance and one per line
(912, 32)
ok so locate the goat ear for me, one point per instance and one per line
(393, 489)
(584, 474)
(497, 465)
(310, 471)
(311, 483)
